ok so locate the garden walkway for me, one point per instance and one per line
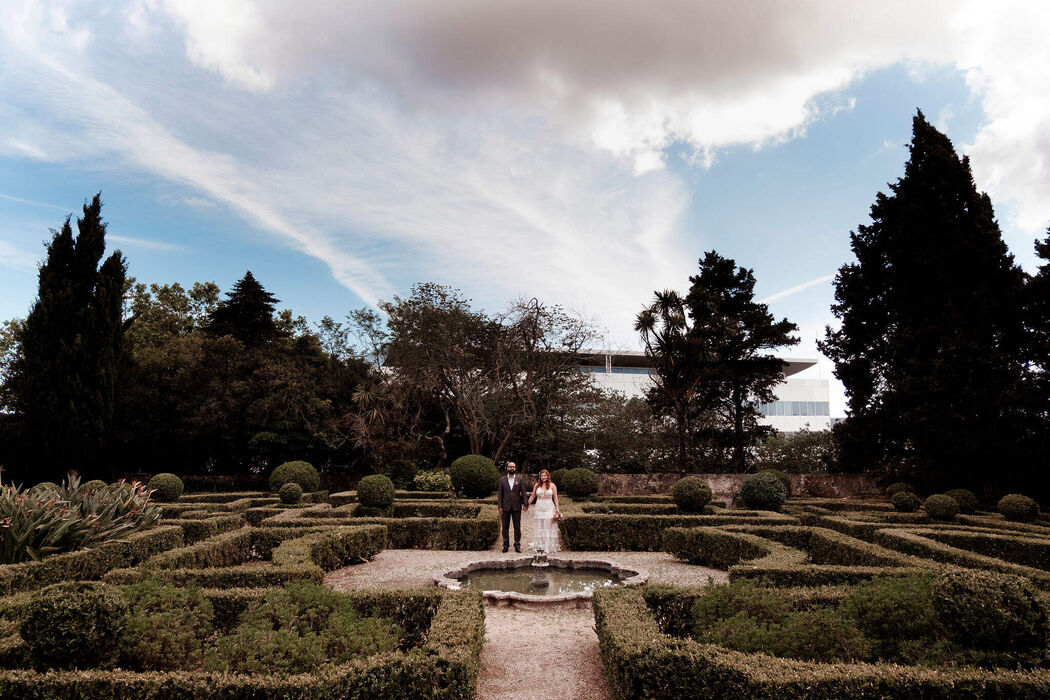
(528, 653)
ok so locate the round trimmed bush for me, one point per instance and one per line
(784, 479)
(375, 491)
(897, 488)
(763, 491)
(940, 507)
(1018, 507)
(299, 472)
(165, 487)
(998, 614)
(291, 493)
(74, 625)
(691, 494)
(558, 476)
(967, 501)
(580, 482)
(905, 502)
(474, 476)
(94, 485)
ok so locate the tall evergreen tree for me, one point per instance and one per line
(930, 336)
(735, 335)
(70, 346)
(710, 351)
(247, 313)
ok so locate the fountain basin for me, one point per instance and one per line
(520, 581)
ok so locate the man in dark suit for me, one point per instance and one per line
(512, 500)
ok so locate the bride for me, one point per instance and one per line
(544, 526)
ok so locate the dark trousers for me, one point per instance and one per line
(508, 516)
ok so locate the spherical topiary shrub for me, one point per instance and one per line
(165, 487)
(782, 477)
(691, 494)
(74, 625)
(299, 472)
(291, 493)
(940, 507)
(558, 476)
(580, 482)
(93, 485)
(897, 488)
(474, 476)
(375, 491)
(998, 614)
(906, 502)
(967, 501)
(763, 491)
(1019, 508)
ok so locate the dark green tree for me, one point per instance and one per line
(247, 314)
(70, 344)
(929, 343)
(734, 336)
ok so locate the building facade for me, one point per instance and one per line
(803, 402)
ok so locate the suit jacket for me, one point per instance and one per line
(509, 498)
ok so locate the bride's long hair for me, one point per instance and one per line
(539, 478)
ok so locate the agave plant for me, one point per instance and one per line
(41, 522)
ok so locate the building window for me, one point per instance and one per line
(795, 408)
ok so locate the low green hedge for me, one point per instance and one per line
(445, 666)
(641, 661)
(477, 533)
(635, 509)
(720, 549)
(654, 498)
(89, 564)
(923, 543)
(341, 498)
(333, 548)
(239, 559)
(195, 529)
(641, 533)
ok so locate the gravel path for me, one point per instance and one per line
(542, 654)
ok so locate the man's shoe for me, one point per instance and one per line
(505, 548)
(517, 548)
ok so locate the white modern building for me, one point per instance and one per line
(802, 401)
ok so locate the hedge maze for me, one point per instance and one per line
(238, 550)
(812, 560)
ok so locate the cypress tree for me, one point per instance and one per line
(930, 336)
(70, 346)
(734, 334)
(247, 313)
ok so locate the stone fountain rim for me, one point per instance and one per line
(450, 578)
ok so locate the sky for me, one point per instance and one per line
(584, 153)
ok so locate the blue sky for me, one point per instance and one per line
(584, 153)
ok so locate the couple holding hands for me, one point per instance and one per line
(511, 499)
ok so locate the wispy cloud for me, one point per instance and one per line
(797, 288)
(34, 203)
(16, 258)
(146, 243)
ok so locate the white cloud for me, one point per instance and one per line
(17, 258)
(798, 288)
(510, 147)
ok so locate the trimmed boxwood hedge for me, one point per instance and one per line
(641, 533)
(208, 525)
(446, 666)
(635, 509)
(89, 564)
(641, 661)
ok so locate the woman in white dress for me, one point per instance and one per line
(544, 525)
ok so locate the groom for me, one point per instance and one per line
(511, 499)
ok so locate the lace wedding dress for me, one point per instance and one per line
(544, 529)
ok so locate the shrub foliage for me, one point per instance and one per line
(375, 491)
(166, 487)
(474, 476)
(299, 472)
(1019, 508)
(691, 494)
(763, 491)
(74, 625)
